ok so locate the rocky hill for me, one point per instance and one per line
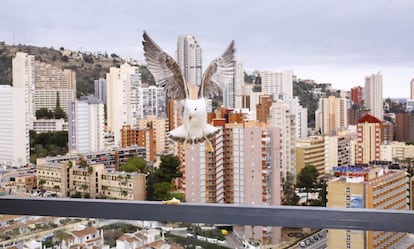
(88, 66)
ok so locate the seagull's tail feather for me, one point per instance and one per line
(179, 134)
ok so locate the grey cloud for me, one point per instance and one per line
(268, 34)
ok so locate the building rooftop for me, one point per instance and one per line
(369, 119)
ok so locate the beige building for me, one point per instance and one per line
(331, 115)
(69, 177)
(412, 89)
(53, 85)
(160, 128)
(311, 151)
(397, 151)
(366, 187)
(369, 137)
(50, 77)
(26, 182)
(48, 98)
(374, 95)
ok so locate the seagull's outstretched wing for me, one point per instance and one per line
(165, 70)
(218, 73)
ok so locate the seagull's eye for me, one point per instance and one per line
(195, 109)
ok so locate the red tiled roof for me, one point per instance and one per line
(84, 232)
(368, 119)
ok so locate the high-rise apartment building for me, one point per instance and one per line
(189, 59)
(23, 66)
(301, 117)
(369, 136)
(51, 98)
(281, 117)
(14, 126)
(412, 89)
(354, 113)
(263, 108)
(238, 86)
(53, 87)
(140, 137)
(356, 95)
(367, 187)
(86, 125)
(374, 95)
(153, 101)
(160, 128)
(277, 84)
(123, 98)
(100, 89)
(244, 168)
(332, 115)
(50, 77)
(404, 126)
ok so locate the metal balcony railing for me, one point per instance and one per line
(278, 216)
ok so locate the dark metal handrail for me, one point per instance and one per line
(278, 216)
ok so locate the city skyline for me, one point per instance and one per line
(322, 40)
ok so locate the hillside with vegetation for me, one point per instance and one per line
(88, 66)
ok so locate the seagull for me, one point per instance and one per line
(167, 73)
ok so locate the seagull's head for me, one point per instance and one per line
(195, 109)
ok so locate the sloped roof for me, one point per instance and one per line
(368, 119)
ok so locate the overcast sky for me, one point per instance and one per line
(339, 42)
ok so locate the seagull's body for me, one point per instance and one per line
(194, 128)
(167, 74)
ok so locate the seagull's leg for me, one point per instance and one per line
(209, 145)
(185, 144)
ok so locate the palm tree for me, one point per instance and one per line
(124, 193)
(104, 188)
(60, 235)
(41, 183)
(56, 188)
(84, 187)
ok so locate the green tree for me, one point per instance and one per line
(323, 194)
(290, 198)
(60, 113)
(134, 164)
(162, 190)
(169, 168)
(307, 178)
(44, 113)
(83, 163)
(151, 180)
